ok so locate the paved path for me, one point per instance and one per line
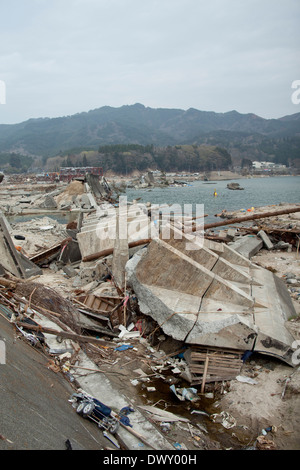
(34, 410)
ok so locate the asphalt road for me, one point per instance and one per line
(34, 410)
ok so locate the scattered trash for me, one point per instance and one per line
(165, 427)
(89, 407)
(190, 394)
(102, 312)
(134, 382)
(124, 412)
(162, 415)
(248, 380)
(262, 443)
(111, 439)
(124, 347)
(2, 438)
(199, 412)
(177, 445)
(225, 419)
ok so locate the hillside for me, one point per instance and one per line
(242, 135)
(127, 158)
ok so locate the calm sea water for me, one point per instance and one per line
(257, 192)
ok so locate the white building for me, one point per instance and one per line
(267, 166)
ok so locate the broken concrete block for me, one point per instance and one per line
(222, 233)
(12, 260)
(98, 232)
(71, 253)
(212, 298)
(120, 257)
(85, 201)
(173, 288)
(266, 240)
(231, 232)
(48, 203)
(248, 245)
(69, 271)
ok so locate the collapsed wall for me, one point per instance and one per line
(212, 296)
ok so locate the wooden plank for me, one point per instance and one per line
(203, 355)
(204, 373)
(100, 305)
(214, 371)
(220, 363)
(216, 378)
(213, 365)
(108, 302)
(110, 251)
(217, 366)
(97, 303)
(85, 306)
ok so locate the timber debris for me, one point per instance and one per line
(144, 304)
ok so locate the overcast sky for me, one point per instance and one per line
(61, 57)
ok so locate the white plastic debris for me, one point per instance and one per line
(244, 379)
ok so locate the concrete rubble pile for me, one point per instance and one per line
(212, 296)
(129, 283)
(29, 197)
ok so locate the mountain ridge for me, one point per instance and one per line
(142, 125)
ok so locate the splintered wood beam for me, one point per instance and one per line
(64, 334)
(239, 220)
(109, 251)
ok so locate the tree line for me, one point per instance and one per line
(124, 159)
(127, 158)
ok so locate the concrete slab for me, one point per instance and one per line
(273, 338)
(226, 301)
(11, 259)
(224, 330)
(98, 232)
(120, 257)
(266, 240)
(248, 245)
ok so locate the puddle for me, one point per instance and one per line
(162, 397)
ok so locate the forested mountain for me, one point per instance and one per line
(242, 135)
(127, 158)
(191, 158)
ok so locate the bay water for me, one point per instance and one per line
(257, 192)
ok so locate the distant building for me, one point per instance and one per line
(267, 166)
